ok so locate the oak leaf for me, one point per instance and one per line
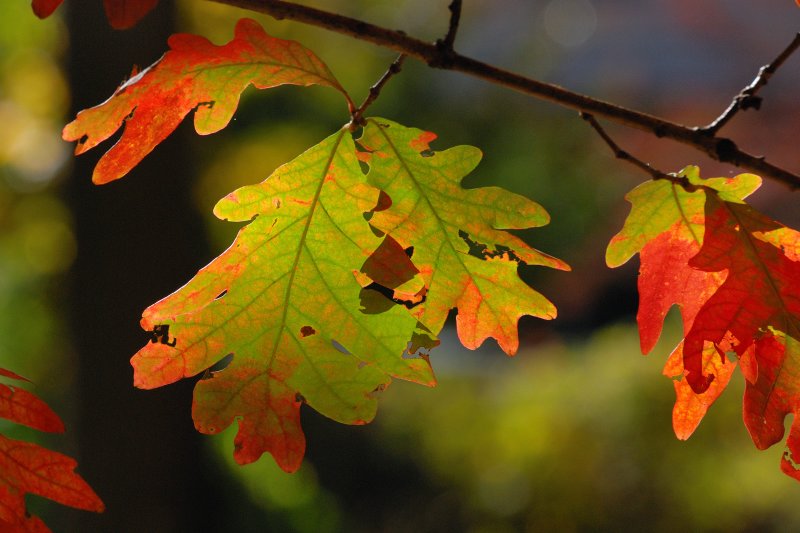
(122, 14)
(466, 259)
(758, 309)
(27, 468)
(735, 275)
(284, 301)
(193, 75)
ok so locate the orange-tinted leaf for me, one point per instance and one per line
(122, 14)
(284, 301)
(27, 468)
(739, 291)
(761, 289)
(23, 407)
(193, 75)
(464, 257)
(666, 226)
(690, 407)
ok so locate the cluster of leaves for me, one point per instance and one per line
(735, 274)
(342, 278)
(356, 251)
(27, 468)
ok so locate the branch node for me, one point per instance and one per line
(747, 99)
(441, 55)
(357, 115)
(726, 150)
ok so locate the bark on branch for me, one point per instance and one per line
(718, 148)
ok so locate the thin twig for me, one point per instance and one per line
(747, 99)
(619, 153)
(455, 17)
(357, 116)
(717, 148)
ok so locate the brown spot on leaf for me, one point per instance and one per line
(305, 331)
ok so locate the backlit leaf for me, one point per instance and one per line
(284, 301)
(465, 258)
(27, 468)
(739, 290)
(193, 75)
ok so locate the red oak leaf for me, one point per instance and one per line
(27, 468)
(193, 75)
(666, 226)
(761, 289)
(738, 286)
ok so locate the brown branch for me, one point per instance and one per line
(619, 153)
(747, 98)
(718, 148)
(357, 116)
(455, 18)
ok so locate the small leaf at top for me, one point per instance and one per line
(284, 300)
(465, 258)
(193, 74)
(122, 14)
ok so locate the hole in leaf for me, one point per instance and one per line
(83, 139)
(218, 366)
(427, 153)
(220, 295)
(421, 344)
(377, 390)
(482, 251)
(160, 335)
(299, 398)
(339, 347)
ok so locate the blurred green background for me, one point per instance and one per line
(571, 434)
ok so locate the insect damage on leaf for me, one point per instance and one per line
(465, 258)
(27, 468)
(736, 276)
(160, 333)
(193, 75)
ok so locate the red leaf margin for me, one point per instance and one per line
(27, 468)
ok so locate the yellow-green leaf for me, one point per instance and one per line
(284, 301)
(464, 255)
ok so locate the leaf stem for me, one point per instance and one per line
(619, 153)
(357, 115)
(438, 56)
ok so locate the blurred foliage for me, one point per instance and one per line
(577, 436)
(36, 239)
